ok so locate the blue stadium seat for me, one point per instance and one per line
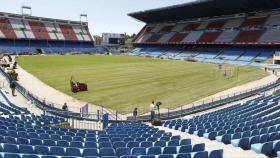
(78, 138)
(10, 140)
(119, 144)
(90, 144)
(44, 136)
(26, 149)
(169, 150)
(146, 135)
(2, 139)
(184, 156)
(175, 137)
(91, 135)
(33, 135)
(55, 137)
(30, 156)
(56, 150)
(22, 141)
(50, 132)
(246, 134)
(10, 148)
(263, 138)
(35, 142)
(123, 151)
(61, 133)
(242, 143)
(30, 130)
(201, 154)
(165, 138)
(76, 157)
(107, 152)
(104, 139)
(273, 136)
(126, 139)
(73, 152)
(265, 148)
(116, 139)
(62, 143)
(147, 156)
(210, 135)
(152, 139)
(80, 135)
(146, 144)
(173, 143)
(165, 156)
(76, 144)
(90, 152)
(276, 145)
(185, 149)
(140, 139)
(132, 144)
(71, 134)
(224, 138)
(198, 147)
(138, 151)
(3, 132)
(48, 156)
(9, 155)
(67, 138)
(105, 145)
(185, 142)
(160, 143)
(216, 154)
(49, 142)
(42, 150)
(236, 136)
(129, 156)
(154, 151)
(90, 139)
(23, 134)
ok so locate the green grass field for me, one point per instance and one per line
(122, 83)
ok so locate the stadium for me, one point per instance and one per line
(199, 80)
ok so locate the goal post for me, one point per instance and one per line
(226, 72)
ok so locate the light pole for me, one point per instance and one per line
(26, 10)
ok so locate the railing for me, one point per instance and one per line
(84, 121)
(22, 110)
(209, 104)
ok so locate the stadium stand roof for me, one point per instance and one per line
(204, 8)
(43, 19)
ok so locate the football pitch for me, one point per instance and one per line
(123, 82)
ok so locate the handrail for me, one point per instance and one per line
(213, 104)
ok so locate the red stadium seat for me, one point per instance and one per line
(248, 36)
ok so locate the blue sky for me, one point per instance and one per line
(103, 15)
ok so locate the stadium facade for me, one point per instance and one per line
(242, 32)
(25, 33)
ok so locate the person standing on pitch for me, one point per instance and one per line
(152, 110)
(65, 107)
(135, 114)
